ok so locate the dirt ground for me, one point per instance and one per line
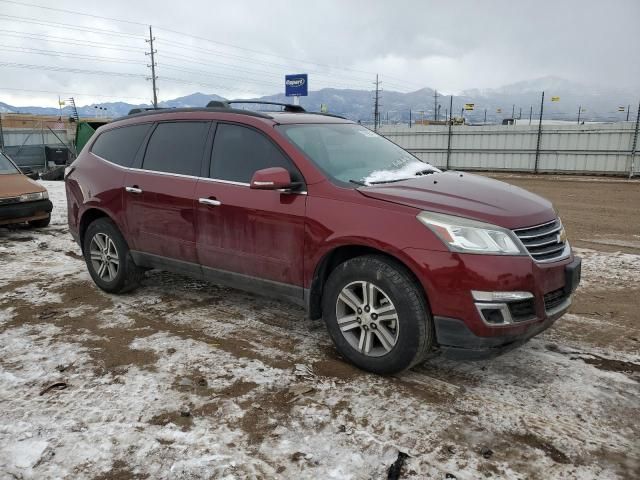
(184, 379)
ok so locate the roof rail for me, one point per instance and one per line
(144, 109)
(288, 107)
(155, 111)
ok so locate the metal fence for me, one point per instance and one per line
(24, 137)
(585, 149)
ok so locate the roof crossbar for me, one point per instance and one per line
(287, 106)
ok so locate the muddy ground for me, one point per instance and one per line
(184, 379)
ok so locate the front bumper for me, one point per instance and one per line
(459, 343)
(24, 211)
(461, 331)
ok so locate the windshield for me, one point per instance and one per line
(6, 166)
(353, 153)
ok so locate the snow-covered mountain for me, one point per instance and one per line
(499, 103)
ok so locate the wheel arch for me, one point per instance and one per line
(339, 254)
(89, 216)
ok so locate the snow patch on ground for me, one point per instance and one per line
(217, 383)
(608, 270)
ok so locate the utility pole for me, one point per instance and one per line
(376, 106)
(530, 113)
(579, 112)
(628, 108)
(485, 116)
(513, 111)
(449, 134)
(634, 146)
(1, 135)
(535, 169)
(435, 105)
(153, 79)
(409, 118)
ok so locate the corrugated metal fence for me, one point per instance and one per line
(591, 149)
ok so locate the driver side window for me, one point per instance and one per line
(238, 152)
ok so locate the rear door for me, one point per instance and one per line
(160, 191)
(254, 233)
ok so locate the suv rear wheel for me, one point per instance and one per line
(108, 260)
(376, 315)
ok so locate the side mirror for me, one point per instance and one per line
(274, 178)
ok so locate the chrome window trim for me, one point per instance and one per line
(207, 179)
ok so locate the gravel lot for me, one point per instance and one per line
(184, 379)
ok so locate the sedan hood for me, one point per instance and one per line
(467, 195)
(13, 185)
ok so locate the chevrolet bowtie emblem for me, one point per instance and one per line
(562, 236)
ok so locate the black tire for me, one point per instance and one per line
(415, 326)
(40, 223)
(127, 275)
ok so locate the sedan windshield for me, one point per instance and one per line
(6, 166)
(353, 153)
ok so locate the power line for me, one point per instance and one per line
(66, 26)
(72, 12)
(348, 82)
(185, 46)
(228, 77)
(70, 41)
(54, 53)
(68, 70)
(93, 30)
(298, 60)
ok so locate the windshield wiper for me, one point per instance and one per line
(358, 182)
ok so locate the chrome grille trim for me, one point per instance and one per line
(543, 242)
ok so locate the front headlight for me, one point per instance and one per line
(469, 236)
(31, 197)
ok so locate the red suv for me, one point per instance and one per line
(399, 258)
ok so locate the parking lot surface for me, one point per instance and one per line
(185, 379)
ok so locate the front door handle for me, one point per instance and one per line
(210, 201)
(133, 189)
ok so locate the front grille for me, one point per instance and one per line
(555, 298)
(522, 310)
(9, 200)
(544, 242)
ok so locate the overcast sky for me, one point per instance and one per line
(248, 46)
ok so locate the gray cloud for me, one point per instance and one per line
(451, 46)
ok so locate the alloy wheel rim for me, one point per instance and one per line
(367, 318)
(104, 257)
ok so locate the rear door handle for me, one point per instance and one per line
(133, 189)
(210, 201)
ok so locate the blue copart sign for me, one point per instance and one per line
(296, 85)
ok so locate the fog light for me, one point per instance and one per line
(492, 315)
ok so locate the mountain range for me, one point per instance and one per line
(521, 99)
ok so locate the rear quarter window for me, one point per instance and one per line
(120, 145)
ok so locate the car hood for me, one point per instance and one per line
(467, 195)
(16, 184)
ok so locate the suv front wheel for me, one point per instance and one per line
(376, 315)
(108, 259)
